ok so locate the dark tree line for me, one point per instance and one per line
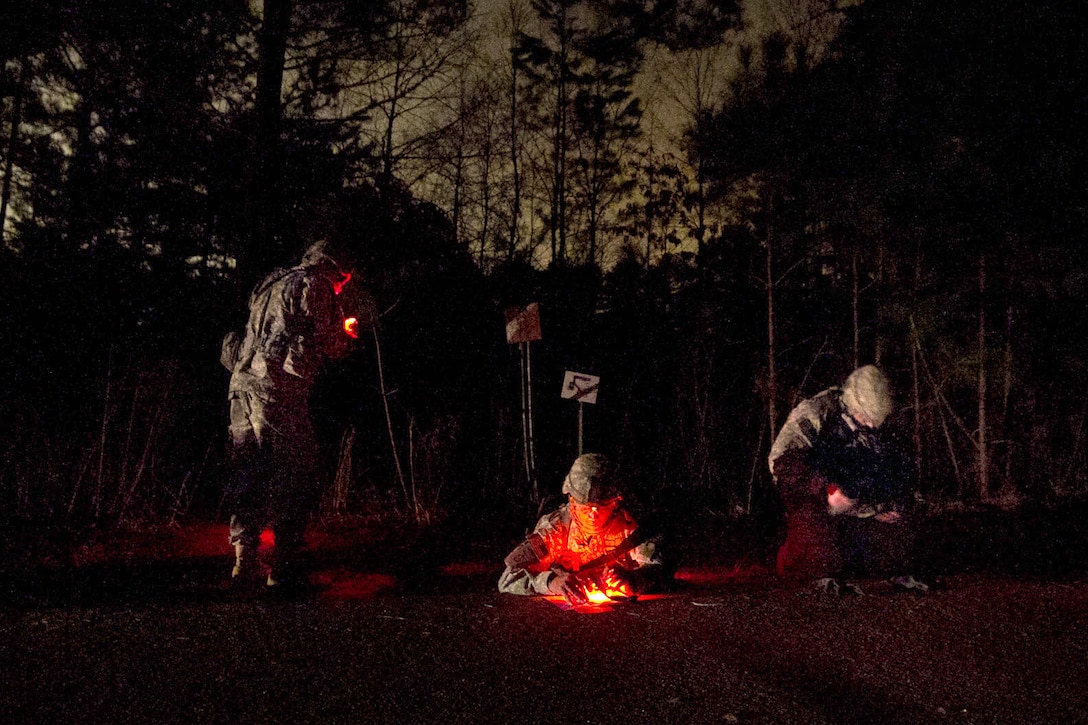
(909, 191)
(923, 179)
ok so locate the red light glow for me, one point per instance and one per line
(606, 590)
(344, 584)
(338, 287)
(351, 326)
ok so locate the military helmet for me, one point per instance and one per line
(591, 479)
(328, 250)
(867, 394)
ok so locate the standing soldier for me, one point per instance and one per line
(296, 326)
(844, 486)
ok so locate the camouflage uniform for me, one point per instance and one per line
(822, 451)
(294, 328)
(569, 538)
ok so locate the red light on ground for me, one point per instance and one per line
(267, 537)
(469, 568)
(340, 584)
(724, 574)
(351, 326)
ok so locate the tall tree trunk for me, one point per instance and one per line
(390, 125)
(561, 181)
(881, 261)
(983, 451)
(700, 230)
(13, 143)
(459, 173)
(917, 401)
(594, 221)
(515, 171)
(81, 183)
(651, 208)
(856, 304)
(561, 138)
(1006, 398)
(772, 382)
(486, 211)
(556, 150)
(515, 166)
(916, 383)
(458, 184)
(264, 191)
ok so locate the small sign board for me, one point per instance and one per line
(523, 323)
(581, 387)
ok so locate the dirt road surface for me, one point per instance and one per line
(163, 641)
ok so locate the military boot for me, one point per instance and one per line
(284, 571)
(245, 568)
(286, 577)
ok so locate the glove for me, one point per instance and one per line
(630, 578)
(837, 501)
(566, 584)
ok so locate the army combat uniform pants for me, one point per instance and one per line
(276, 476)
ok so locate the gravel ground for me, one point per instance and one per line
(984, 650)
(107, 637)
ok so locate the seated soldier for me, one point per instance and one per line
(844, 486)
(588, 545)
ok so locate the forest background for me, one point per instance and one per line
(719, 208)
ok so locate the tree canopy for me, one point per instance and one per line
(820, 185)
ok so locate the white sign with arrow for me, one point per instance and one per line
(581, 387)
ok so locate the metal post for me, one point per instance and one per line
(532, 440)
(580, 406)
(527, 419)
(524, 417)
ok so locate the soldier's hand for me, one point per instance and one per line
(888, 517)
(838, 502)
(566, 584)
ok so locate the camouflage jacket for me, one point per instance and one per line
(820, 441)
(565, 546)
(294, 328)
